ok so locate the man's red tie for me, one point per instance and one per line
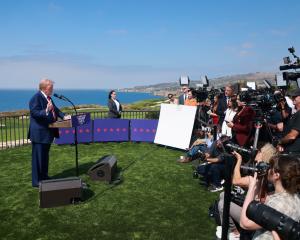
(53, 112)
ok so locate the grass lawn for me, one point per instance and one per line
(158, 198)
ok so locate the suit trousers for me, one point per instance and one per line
(40, 161)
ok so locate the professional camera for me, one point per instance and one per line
(288, 63)
(230, 147)
(272, 220)
(290, 76)
(260, 100)
(238, 195)
(201, 94)
(261, 168)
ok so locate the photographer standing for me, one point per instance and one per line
(290, 143)
(284, 173)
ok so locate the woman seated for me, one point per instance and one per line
(284, 173)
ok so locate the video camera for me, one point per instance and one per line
(270, 219)
(290, 76)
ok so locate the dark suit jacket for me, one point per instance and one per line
(39, 132)
(181, 99)
(112, 109)
(221, 108)
(243, 124)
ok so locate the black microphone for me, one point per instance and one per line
(59, 96)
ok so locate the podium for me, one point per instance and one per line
(61, 124)
(75, 121)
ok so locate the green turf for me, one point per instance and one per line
(158, 198)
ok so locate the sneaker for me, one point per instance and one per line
(215, 188)
(233, 236)
(219, 232)
(230, 236)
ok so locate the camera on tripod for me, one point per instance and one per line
(291, 76)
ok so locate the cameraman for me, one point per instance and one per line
(284, 173)
(290, 143)
(280, 115)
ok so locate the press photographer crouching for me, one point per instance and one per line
(213, 168)
(284, 173)
(264, 154)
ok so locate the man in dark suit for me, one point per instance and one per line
(223, 101)
(42, 112)
(183, 97)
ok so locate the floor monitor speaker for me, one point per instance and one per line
(58, 192)
(104, 169)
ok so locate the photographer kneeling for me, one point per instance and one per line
(284, 173)
(264, 154)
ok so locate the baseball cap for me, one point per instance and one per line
(295, 93)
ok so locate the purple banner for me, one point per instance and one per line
(66, 136)
(143, 130)
(85, 133)
(111, 130)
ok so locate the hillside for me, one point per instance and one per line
(163, 89)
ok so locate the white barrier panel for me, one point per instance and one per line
(175, 125)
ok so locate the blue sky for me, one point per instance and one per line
(123, 43)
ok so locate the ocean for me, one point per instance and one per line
(12, 100)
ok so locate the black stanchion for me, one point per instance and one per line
(75, 134)
(229, 163)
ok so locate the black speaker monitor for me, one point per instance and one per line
(104, 169)
(58, 192)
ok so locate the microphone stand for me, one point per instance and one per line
(75, 134)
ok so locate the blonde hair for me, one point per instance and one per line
(44, 83)
(268, 151)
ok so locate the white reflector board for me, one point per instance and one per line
(175, 125)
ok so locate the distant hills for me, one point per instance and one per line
(163, 89)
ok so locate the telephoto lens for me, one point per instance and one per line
(272, 220)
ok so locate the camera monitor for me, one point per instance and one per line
(279, 81)
(184, 80)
